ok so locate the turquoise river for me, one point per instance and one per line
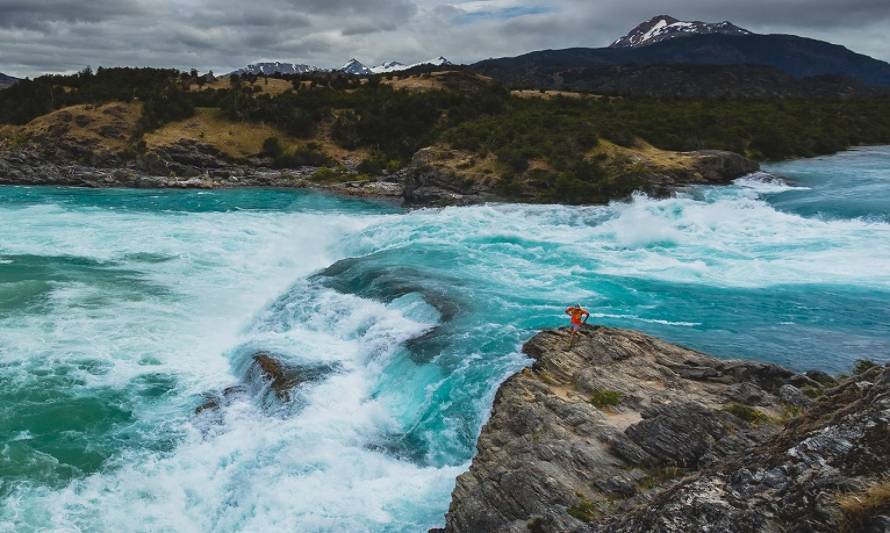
(121, 309)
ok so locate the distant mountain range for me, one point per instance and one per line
(659, 41)
(395, 66)
(7, 81)
(276, 68)
(353, 67)
(664, 27)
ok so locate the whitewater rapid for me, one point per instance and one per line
(120, 310)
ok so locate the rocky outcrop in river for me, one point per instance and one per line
(624, 432)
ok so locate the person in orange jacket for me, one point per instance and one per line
(579, 316)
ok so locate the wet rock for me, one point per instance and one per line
(283, 378)
(214, 402)
(266, 376)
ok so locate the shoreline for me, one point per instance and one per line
(626, 432)
(415, 186)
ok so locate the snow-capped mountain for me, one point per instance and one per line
(395, 66)
(389, 66)
(276, 68)
(664, 27)
(355, 67)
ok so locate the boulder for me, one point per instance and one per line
(720, 166)
(792, 395)
(282, 378)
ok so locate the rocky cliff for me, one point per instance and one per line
(624, 432)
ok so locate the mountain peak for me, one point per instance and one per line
(276, 67)
(355, 67)
(395, 66)
(663, 27)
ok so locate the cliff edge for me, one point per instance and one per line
(625, 432)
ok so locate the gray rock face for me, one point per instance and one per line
(595, 437)
(720, 166)
(427, 183)
(826, 471)
(154, 170)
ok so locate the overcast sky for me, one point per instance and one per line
(38, 36)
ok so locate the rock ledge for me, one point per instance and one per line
(625, 432)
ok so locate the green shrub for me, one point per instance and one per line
(606, 398)
(328, 174)
(863, 365)
(584, 510)
(272, 148)
(536, 525)
(812, 391)
(306, 156)
(748, 414)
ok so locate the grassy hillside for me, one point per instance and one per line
(572, 141)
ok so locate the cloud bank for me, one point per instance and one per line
(39, 36)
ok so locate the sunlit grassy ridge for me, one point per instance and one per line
(577, 143)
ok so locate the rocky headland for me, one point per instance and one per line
(436, 176)
(624, 432)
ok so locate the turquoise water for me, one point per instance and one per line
(120, 309)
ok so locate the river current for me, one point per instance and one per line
(121, 309)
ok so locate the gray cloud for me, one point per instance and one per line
(38, 36)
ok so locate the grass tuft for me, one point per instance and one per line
(584, 510)
(860, 507)
(606, 398)
(660, 475)
(748, 414)
(863, 365)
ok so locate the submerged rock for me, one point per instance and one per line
(216, 401)
(628, 433)
(283, 378)
(266, 374)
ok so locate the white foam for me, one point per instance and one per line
(765, 183)
(311, 471)
(730, 238)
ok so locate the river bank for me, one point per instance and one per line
(620, 431)
(436, 176)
